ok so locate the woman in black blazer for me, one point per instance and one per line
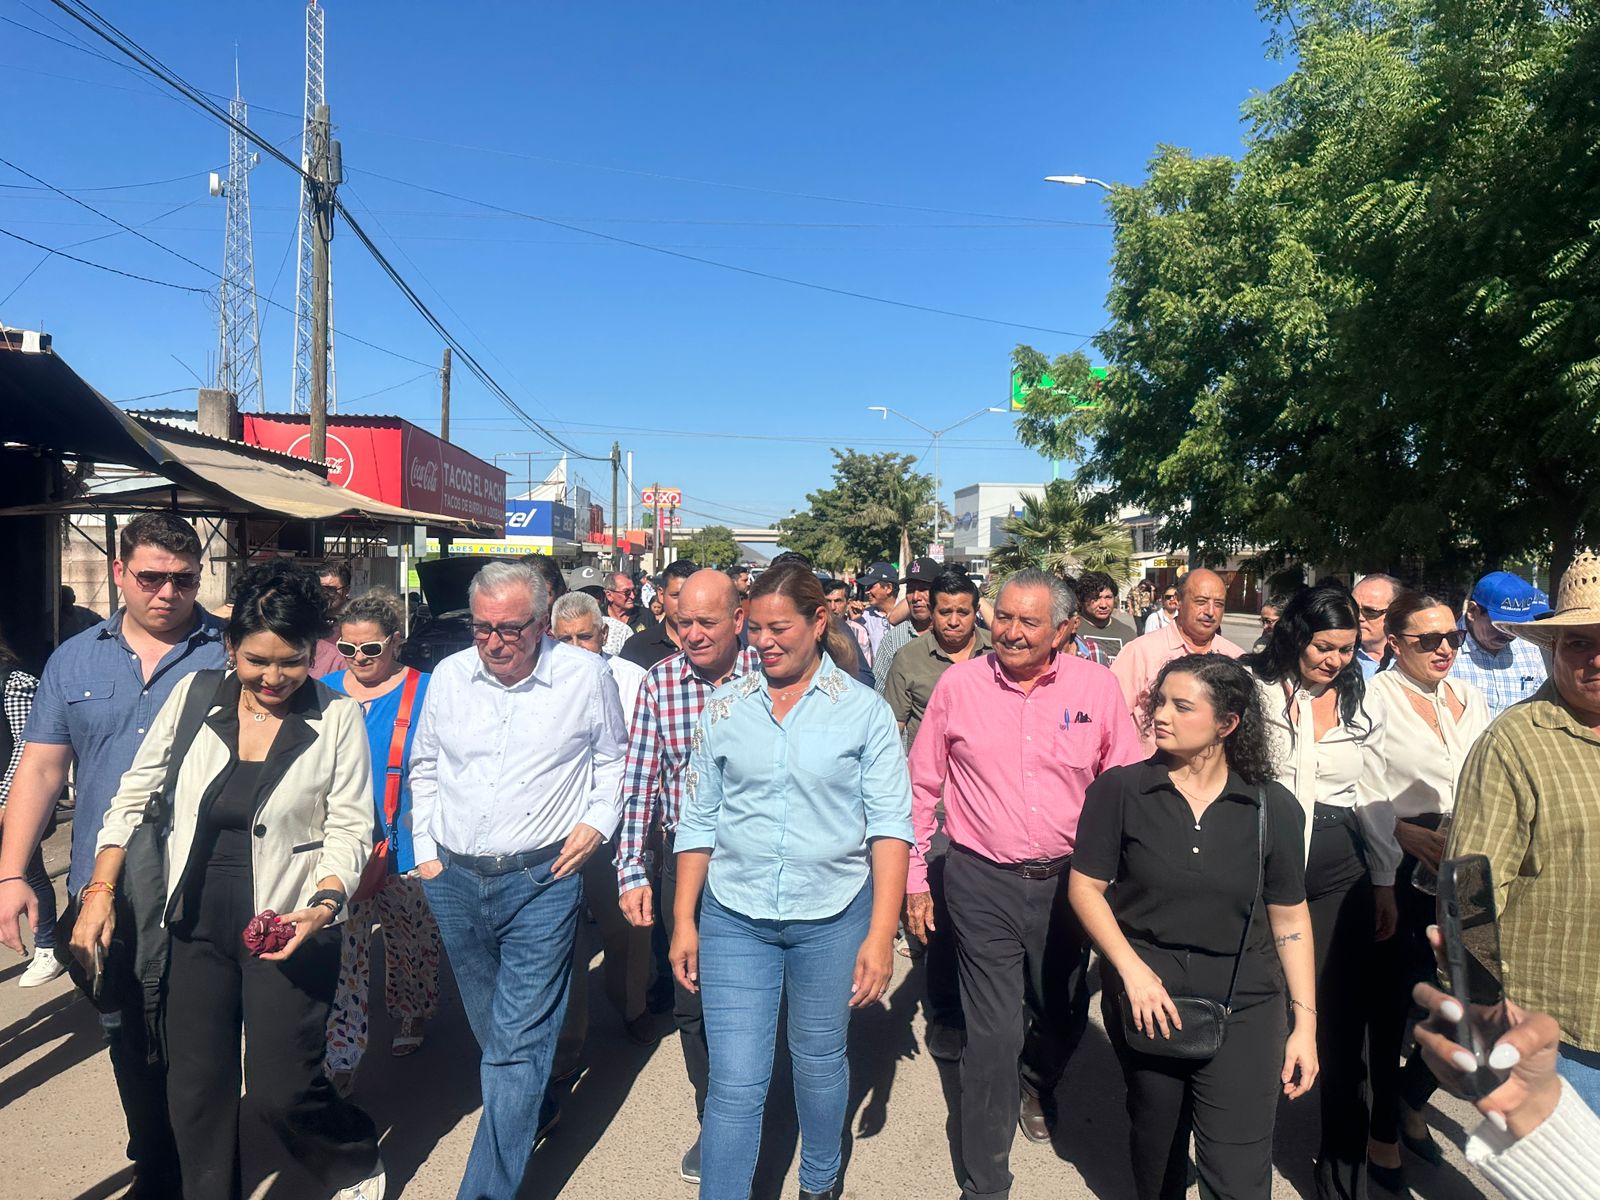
(1178, 835)
(271, 809)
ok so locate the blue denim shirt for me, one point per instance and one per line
(788, 809)
(94, 698)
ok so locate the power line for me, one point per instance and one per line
(126, 228)
(179, 287)
(711, 262)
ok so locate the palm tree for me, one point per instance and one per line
(907, 508)
(1056, 533)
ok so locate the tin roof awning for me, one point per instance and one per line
(45, 403)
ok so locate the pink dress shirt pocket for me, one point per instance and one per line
(1077, 744)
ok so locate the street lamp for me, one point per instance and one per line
(936, 435)
(1077, 180)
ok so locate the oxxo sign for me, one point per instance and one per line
(661, 497)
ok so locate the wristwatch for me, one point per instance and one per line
(326, 896)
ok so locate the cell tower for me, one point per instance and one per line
(300, 400)
(238, 325)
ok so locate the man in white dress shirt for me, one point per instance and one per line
(515, 781)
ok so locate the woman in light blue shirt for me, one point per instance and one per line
(797, 827)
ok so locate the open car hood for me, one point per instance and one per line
(444, 580)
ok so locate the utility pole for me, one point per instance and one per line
(444, 398)
(326, 173)
(616, 541)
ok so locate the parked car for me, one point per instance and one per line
(447, 627)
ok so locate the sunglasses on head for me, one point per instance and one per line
(1429, 642)
(364, 649)
(154, 581)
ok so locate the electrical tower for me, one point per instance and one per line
(238, 324)
(300, 400)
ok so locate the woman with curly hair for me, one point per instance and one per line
(269, 828)
(1328, 746)
(1199, 840)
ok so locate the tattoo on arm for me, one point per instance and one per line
(1288, 937)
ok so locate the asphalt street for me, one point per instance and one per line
(624, 1125)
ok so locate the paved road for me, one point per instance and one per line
(625, 1124)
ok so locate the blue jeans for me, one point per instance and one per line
(509, 938)
(745, 967)
(1581, 1068)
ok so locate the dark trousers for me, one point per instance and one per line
(215, 990)
(1339, 893)
(1229, 1102)
(943, 978)
(44, 891)
(1023, 961)
(1403, 961)
(686, 1010)
(142, 1088)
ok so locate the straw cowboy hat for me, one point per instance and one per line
(1577, 603)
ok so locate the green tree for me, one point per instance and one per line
(1058, 532)
(1373, 340)
(877, 508)
(710, 546)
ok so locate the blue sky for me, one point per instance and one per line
(894, 150)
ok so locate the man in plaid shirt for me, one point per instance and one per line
(670, 700)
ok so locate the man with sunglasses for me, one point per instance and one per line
(623, 616)
(1505, 669)
(1373, 596)
(99, 694)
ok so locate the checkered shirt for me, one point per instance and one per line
(664, 720)
(1506, 678)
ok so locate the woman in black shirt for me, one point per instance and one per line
(1178, 836)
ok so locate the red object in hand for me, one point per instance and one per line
(267, 933)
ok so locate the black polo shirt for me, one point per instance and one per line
(1178, 882)
(649, 646)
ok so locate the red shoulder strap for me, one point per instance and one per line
(397, 747)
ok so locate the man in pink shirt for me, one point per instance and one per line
(1009, 742)
(1197, 629)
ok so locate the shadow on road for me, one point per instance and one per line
(59, 1017)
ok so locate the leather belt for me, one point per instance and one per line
(499, 864)
(1034, 868)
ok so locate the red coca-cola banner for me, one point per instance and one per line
(394, 461)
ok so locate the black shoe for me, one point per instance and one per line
(689, 1168)
(643, 1030)
(1423, 1147)
(1035, 1118)
(831, 1194)
(1391, 1179)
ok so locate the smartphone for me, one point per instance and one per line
(99, 971)
(1471, 933)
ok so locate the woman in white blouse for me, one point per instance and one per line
(1328, 745)
(1431, 721)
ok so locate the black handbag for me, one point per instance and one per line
(135, 966)
(1205, 1022)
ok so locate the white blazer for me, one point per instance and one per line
(315, 814)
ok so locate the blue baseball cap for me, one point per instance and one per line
(1509, 599)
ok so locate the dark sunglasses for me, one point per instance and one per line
(154, 581)
(365, 649)
(1373, 614)
(1429, 642)
(1169, 596)
(509, 634)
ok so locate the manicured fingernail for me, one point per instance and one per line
(1450, 1010)
(1497, 1120)
(1463, 1061)
(1504, 1056)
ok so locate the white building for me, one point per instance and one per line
(981, 512)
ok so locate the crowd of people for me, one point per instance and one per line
(761, 787)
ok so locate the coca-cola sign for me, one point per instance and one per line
(424, 475)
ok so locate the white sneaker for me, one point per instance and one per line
(370, 1188)
(44, 967)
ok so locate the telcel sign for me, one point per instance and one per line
(540, 519)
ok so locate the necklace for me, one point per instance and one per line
(255, 714)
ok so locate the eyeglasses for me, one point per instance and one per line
(1373, 614)
(1169, 595)
(627, 591)
(154, 581)
(509, 634)
(1429, 642)
(365, 649)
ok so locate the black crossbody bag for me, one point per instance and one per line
(1205, 1022)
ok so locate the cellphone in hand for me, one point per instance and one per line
(99, 971)
(1471, 934)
